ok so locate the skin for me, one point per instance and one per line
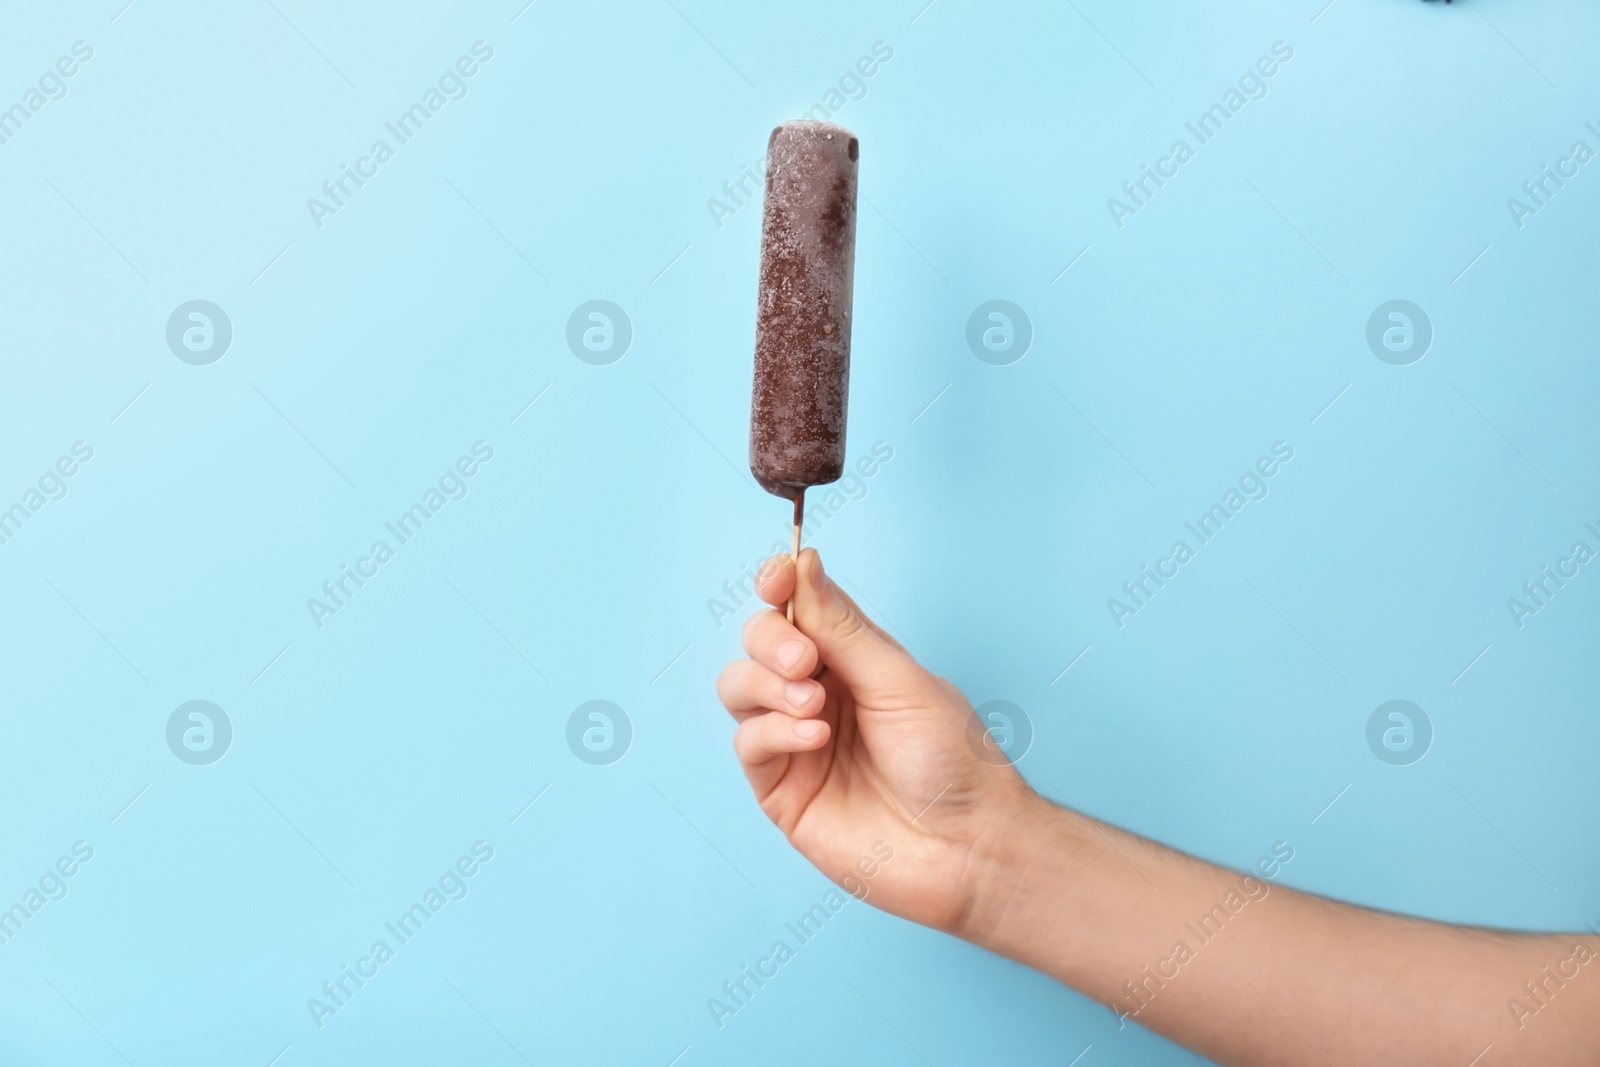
(847, 741)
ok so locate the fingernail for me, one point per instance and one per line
(789, 653)
(809, 730)
(798, 693)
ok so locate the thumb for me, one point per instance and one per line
(847, 641)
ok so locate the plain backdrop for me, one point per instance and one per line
(374, 345)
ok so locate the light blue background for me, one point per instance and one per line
(424, 316)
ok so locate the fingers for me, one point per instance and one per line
(865, 659)
(775, 580)
(745, 687)
(775, 583)
(772, 641)
(762, 738)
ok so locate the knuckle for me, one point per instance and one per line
(728, 681)
(770, 568)
(754, 629)
(747, 738)
(849, 625)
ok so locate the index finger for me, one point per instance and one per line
(775, 580)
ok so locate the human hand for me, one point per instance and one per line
(872, 747)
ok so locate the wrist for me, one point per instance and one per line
(1015, 870)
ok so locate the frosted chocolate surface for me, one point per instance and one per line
(802, 364)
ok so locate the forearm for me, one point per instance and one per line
(1248, 972)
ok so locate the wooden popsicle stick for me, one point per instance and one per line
(799, 515)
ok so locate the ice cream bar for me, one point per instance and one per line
(802, 364)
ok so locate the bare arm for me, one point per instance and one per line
(858, 753)
(1249, 973)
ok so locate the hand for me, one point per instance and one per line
(874, 748)
(869, 751)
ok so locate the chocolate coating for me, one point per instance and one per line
(802, 364)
